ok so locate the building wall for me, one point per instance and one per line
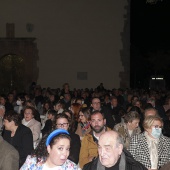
(81, 37)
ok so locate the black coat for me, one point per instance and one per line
(22, 141)
(48, 127)
(131, 164)
(74, 148)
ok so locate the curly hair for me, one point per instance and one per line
(41, 152)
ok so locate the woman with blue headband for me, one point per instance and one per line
(52, 154)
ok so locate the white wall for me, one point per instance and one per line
(72, 36)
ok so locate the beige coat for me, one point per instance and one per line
(35, 127)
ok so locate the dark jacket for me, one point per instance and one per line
(48, 127)
(74, 148)
(22, 141)
(128, 164)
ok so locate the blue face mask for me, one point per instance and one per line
(156, 132)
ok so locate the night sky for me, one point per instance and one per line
(150, 42)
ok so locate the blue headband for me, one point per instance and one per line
(55, 133)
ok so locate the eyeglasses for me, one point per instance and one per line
(62, 125)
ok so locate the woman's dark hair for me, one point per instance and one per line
(86, 113)
(40, 152)
(13, 116)
(53, 112)
(136, 109)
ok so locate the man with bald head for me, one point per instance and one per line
(112, 156)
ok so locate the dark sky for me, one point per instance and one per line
(150, 33)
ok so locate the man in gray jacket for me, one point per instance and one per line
(9, 159)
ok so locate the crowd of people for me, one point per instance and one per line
(88, 129)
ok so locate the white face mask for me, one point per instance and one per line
(156, 132)
(19, 103)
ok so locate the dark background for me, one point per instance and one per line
(150, 42)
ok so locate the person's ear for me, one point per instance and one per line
(48, 149)
(104, 121)
(120, 148)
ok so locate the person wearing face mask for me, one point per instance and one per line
(151, 148)
(19, 104)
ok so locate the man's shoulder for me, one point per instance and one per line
(23, 129)
(6, 147)
(91, 165)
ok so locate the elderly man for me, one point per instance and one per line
(112, 156)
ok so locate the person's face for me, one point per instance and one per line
(57, 107)
(2, 101)
(138, 104)
(67, 97)
(150, 113)
(8, 125)
(59, 152)
(134, 124)
(97, 122)
(82, 117)
(28, 115)
(156, 124)
(50, 116)
(109, 152)
(10, 97)
(29, 104)
(66, 87)
(62, 123)
(96, 104)
(27, 97)
(52, 98)
(79, 101)
(114, 102)
(2, 112)
(46, 106)
(106, 98)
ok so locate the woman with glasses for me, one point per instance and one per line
(151, 148)
(62, 122)
(84, 122)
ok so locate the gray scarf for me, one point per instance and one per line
(121, 164)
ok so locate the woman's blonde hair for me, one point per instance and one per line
(149, 120)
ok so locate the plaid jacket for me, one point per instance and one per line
(139, 149)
